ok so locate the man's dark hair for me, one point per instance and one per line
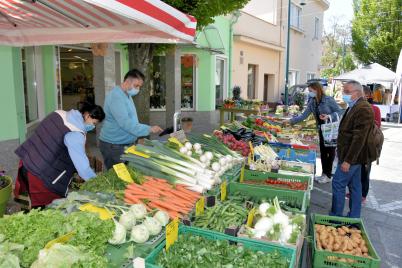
(367, 90)
(134, 73)
(94, 111)
(186, 119)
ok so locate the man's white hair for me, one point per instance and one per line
(356, 86)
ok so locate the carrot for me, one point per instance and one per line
(167, 205)
(131, 200)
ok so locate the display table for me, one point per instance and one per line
(387, 109)
(234, 111)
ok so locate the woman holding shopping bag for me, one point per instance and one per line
(323, 108)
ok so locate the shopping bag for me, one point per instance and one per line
(330, 131)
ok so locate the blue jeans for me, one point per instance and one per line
(352, 179)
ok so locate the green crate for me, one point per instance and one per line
(286, 251)
(260, 176)
(326, 259)
(297, 199)
(232, 174)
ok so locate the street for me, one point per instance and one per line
(382, 214)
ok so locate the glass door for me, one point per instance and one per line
(188, 80)
(220, 81)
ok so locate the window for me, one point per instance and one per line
(295, 16)
(310, 76)
(30, 86)
(187, 81)
(316, 28)
(220, 81)
(251, 81)
(293, 77)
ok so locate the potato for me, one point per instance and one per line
(331, 240)
(365, 255)
(324, 235)
(344, 245)
(342, 260)
(346, 229)
(341, 231)
(337, 246)
(364, 249)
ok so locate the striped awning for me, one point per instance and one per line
(41, 22)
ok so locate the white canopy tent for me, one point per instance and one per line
(374, 73)
(398, 83)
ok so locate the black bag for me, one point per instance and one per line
(375, 141)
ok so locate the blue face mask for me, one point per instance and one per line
(347, 98)
(89, 127)
(132, 92)
(312, 94)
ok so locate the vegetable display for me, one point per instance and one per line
(108, 182)
(343, 239)
(272, 224)
(35, 229)
(235, 145)
(176, 201)
(280, 184)
(195, 251)
(222, 215)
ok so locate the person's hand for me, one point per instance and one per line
(345, 167)
(156, 129)
(324, 116)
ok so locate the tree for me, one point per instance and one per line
(377, 31)
(140, 55)
(337, 57)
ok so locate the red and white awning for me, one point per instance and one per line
(41, 22)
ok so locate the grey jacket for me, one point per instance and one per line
(327, 105)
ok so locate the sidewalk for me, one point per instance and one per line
(382, 214)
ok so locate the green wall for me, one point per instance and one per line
(49, 78)
(205, 96)
(12, 112)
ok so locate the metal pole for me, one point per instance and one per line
(287, 59)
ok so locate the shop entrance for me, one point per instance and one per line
(76, 77)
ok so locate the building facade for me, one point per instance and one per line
(259, 53)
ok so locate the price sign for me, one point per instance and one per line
(122, 173)
(172, 233)
(242, 173)
(199, 206)
(104, 214)
(132, 150)
(62, 239)
(250, 217)
(223, 190)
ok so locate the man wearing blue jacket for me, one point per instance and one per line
(121, 127)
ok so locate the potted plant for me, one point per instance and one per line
(5, 191)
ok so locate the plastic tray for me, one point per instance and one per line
(286, 251)
(327, 259)
(298, 201)
(260, 175)
(298, 167)
(305, 156)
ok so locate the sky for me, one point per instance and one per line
(342, 9)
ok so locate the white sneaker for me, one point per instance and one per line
(324, 179)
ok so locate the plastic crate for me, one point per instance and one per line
(298, 167)
(305, 156)
(232, 174)
(298, 201)
(327, 259)
(260, 176)
(257, 246)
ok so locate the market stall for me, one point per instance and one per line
(381, 80)
(199, 199)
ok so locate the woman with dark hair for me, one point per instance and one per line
(54, 152)
(322, 107)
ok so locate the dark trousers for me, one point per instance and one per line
(327, 157)
(366, 169)
(111, 153)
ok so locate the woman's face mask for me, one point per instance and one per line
(312, 94)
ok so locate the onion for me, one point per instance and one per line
(203, 159)
(183, 150)
(209, 155)
(216, 167)
(189, 153)
(188, 145)
(197, 146)
(222, 161)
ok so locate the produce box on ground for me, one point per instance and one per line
(302, 182)
(6, 184)
(297, 167)
(292, 201)
(268, 223)
(199, 248)
(341, 242)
